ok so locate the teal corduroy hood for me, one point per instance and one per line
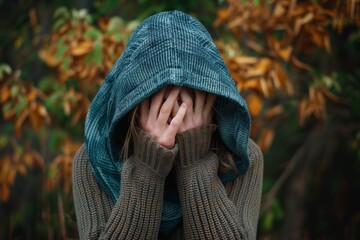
(169, 48)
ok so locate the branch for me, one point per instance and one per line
(299, 154)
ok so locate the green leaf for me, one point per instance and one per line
(3, 141)
(93, 33)
(47, 83)
(60, 22)
(21, 105)
(52, 102)
(4, 68)
(115, 25)
(61, 12)
(118, 36)
(278, 212)
(14, 90)
(61, 49)
(256, 2)
(95, 55)
(66, 63)
(82, 13)
(51, 172)
(268, 221)
(55, 138)
(7, 107)
(132, 25)
(19, 149)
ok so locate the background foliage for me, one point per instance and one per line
(295, 62)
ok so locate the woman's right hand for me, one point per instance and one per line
(156, 119)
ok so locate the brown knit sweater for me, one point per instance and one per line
(210, 209)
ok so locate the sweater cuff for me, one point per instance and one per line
(194, 144)
(152, 154)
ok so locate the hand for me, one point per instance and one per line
(156, 118)
(199, 108)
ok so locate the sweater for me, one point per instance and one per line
(166, 49)
(210, 209)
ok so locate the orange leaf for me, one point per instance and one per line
(301, 21)
(300, 65)
(4, 193)
(285, 53)
(43, 113)
(48, 58)
(82, 48)
(266, 138)
(20, 120)
(255, 104)
(245, 60)
(252, 84)
(222, 15)
(274, 111)
(67, 107)
(5, 94)
(22, 169)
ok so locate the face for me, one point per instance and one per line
(174, 110)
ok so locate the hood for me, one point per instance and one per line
(169, 48)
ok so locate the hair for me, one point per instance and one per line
(226, 159)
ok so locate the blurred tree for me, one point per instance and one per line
(292, 61)
(295, 62)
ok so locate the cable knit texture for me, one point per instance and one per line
(210, 209)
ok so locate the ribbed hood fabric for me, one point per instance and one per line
(168, 48)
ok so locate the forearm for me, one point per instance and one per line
(207, 211)
(137, 213)
(208, 208)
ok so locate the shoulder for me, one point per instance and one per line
(81, 166)
(255, 154)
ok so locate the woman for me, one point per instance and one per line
(166, 152)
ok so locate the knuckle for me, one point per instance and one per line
(165, 109)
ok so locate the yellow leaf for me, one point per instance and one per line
(285, 53)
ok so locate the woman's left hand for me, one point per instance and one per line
(199, 108)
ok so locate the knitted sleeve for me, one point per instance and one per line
(211, 211)
(137, 213)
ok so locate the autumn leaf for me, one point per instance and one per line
(82, 48)
(255, 104)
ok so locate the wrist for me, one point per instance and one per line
(194, 144)
(154, 155)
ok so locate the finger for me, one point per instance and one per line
(186, 98)
(167, 106)
(156, 103)
(167, 91)
(199, 102)
(175, 108)
(177, 120)
(144, 113)
(208, 107)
